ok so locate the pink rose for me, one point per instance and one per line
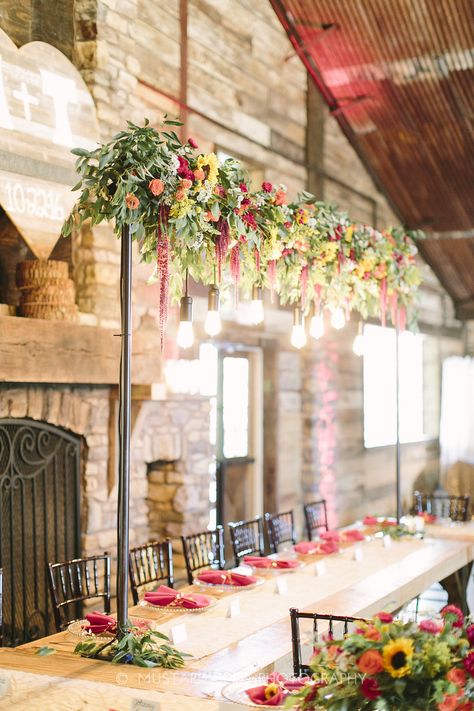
(267, 187)
(192, 142)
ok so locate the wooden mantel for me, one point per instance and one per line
(38, 351)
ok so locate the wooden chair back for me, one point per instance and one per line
(247, 538)
(299, 667)
(316, 517)
(280, 529)
(150, 563)
(203, 550)
(72, 582)
(454, 507)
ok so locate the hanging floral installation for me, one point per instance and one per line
(193, 215)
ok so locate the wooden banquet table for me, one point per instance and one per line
(227, 649)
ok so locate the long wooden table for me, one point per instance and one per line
(386, 578)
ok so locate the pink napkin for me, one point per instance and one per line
(329, 547)
(330, 536)
(311, 547)
(100, 623)
(222, 577)
(259, 562)
(370, 521)
(353, 535)
(275, 691)
(307, 547)
(165, 596)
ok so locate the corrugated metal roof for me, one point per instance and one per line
(398, 75)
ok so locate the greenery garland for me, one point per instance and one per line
(192, 214)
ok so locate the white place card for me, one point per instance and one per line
(142, 705)
(320, 568)
(387, 541)
(178, 633)
(358, 554)
(4, 686)
(233, 609)
(281, 587)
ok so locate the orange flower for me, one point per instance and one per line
(456, 676)
(185, 183)
(373, 633)
(131, 201)
(370, 662)
(209, 217)
(156, 186)
(280, 197)
(180, 194)
(199, 174)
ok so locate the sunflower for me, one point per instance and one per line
(209, 164)
(271, 690)
(397, 656)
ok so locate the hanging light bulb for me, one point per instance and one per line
(338, 320)
(185, 337)
(256, 306)
(358, 345)
(298, 334)
(212, 324)
(316, 326)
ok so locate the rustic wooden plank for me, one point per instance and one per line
(40, 351)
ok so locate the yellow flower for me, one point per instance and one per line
(349, 233)
(181, 208)
(271, 691)
(210, 165)
(397, 656)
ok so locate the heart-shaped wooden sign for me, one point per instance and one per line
(45, 110)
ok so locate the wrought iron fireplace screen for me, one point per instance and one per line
(39, 520)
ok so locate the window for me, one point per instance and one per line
(380, 387)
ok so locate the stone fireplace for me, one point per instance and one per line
(171, 460)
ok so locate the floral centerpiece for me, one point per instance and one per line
(195, 215)
(386, 664)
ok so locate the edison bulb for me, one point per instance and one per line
(338, 320)
(256, 311)
(212, 324)
(316, 327)
(185, 337)
(298, 336)
(358, 345)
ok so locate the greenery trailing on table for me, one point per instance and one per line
(149, 649)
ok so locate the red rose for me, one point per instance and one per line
(131, 201)
(453, 614)
(456, 676)
(470, 634)
(192, 142)
(430, 626)
(468, 662)
(243, 187)
(156, 186)
(267, 187)
(370, 689)
(183, 167)
(384, 617)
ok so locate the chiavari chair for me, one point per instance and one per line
(280, 529)
(247, 538)
(316, 517)
(455, 508)
(203, 550)
(72, 582)
(150, 563)
(299, 667)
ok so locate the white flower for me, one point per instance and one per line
(174, 164)
(283, 187)
(312, 222)
(259, 200)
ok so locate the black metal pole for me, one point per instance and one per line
(125, 399)
(397, 406)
